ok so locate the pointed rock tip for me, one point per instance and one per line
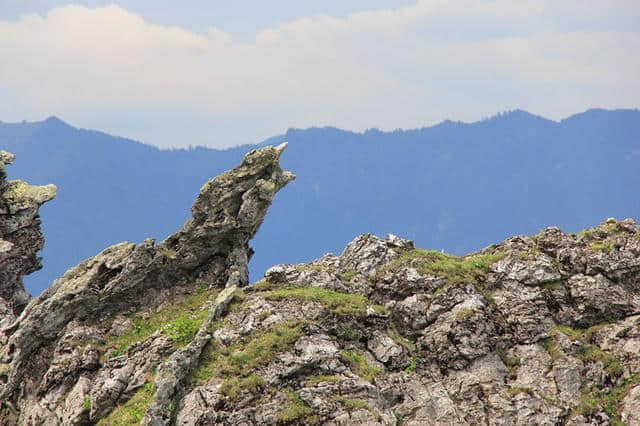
(265, 156)
(6, 157)
(280, 148)
(20, 195)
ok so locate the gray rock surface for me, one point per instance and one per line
(541, 329)
(20, 238)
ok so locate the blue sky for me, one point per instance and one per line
(225, 73)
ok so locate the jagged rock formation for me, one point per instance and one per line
(51, 357)
(20, 238)
(534, 330)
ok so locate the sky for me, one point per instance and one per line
(220, 73)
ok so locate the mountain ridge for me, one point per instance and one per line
(454, 186)
(54, 120)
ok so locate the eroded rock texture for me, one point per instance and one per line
(20, 238)
(53, 365)
(535, 330)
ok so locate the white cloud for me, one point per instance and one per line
(107, 68)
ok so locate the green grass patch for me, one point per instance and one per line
(359, 365)
(529, 254)
(604, 246)
(322, 378)
(86, 403)
(413, 365)
(235, 386)
(353, 404)
(132, 411)
(416, 254)
(605, 236)
(486, 294)
(551, 346)
(341, 304)
(262, 285)
(179, 321)
(586, 352)
(456, 270)
(348, 275)
(612, 399)
(241, 358)
(571, 333)
(512, 362)
(297, 411)
(206, 368)
(349, 333)
(576, 334)
(407, 344)
(593, 401)
(463, 313)
(183, 328)
(588, 333)
(592, 353)
(517, 390)
(167, 253)
(588, 405)
(608, 227)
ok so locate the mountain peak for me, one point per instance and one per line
(599, 114)
(517, 115)
(55, 122)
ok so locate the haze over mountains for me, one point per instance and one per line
(454, 187)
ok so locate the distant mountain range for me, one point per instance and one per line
(454, 187)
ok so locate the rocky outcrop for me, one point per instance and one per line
(52, 357)
(20, 238)
(541, 329)
(535, 330)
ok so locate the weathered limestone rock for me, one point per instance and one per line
(631, 407)
(20, 238)
(210, 250)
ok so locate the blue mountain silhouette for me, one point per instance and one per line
(453, 186)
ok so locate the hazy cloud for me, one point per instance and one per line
(108, 68)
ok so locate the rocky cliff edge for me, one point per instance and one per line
(67, 343)
(20, 238)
